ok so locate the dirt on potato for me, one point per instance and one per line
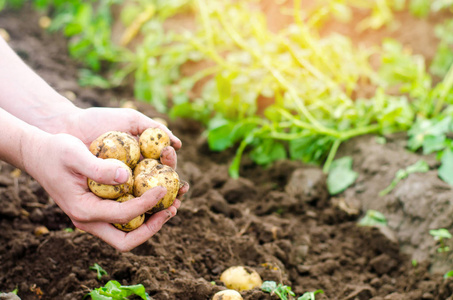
(279, 221)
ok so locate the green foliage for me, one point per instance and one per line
(441, 235)
(99, 270)
(373, 218)
(281, 291)
(310, 295)
(448, 274)
(113, 290)
(341, 175)
(284, 292)
(420, 166)
(446, 169)
(269, 94)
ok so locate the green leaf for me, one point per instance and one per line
(268, 286)
(100, 271)
(341, 175)
(448, 274)
(267, 152)
(310, 295)
(113, 290)
(440, 233)
(373, 218)
(434, 143)
(445, 170)
(219, 138)
(420, 8)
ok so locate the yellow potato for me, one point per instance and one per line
(118, 145)
(227, 295)
(132, 224)
(112, 191)
(161, 121)
(5, 35)
(145, 165)
(152, 141)
(161, 175)
(241, 278)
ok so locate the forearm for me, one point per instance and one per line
(15, 137)
(27, 96)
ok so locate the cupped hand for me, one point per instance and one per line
(62, 163)
(88, 124)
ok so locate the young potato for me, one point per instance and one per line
(118, 145)
(241, 278)
(161, 121)
(146, 165)
(227, 295)
(106, 191)
(132, 224)
(152, 141)
(161, 175)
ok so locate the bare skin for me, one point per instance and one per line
(47, 136)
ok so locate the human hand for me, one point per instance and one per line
(88, 124)
(62, 163)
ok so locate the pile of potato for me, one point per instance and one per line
(141, 159)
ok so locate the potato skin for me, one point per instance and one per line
(161, 175)
(146, 165)
(106, 191)
(152, 141)
(241, 278)
(227, 295)
(118, 145)
(132, 224)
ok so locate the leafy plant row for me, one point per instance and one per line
(293, 93)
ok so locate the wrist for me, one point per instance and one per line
(55, 116)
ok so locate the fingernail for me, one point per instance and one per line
(121, 175)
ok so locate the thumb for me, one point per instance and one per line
(105, 171)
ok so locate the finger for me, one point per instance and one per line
(118, 212)
(184, 187)
(100, 170)
(126, 241)
(168, 157)
(177, 203)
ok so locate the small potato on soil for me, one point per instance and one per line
(118, 145)
(161, 175)
(227, 295)
(241, 278)
(106, 191)
(152, 141)
(132, 224)
(146, 165)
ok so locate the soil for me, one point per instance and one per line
(279, 221)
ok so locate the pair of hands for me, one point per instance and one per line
(61, 163)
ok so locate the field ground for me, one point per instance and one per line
(280, 221)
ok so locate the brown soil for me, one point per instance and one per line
(279, 221)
